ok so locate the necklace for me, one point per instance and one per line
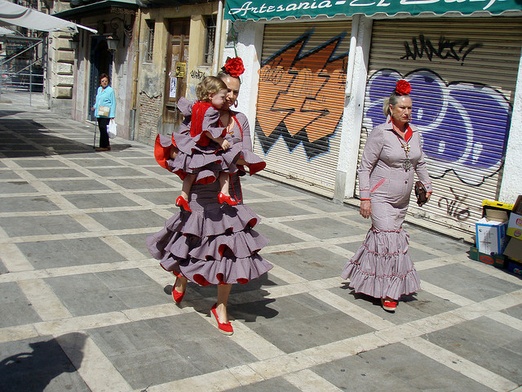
(406, 163)
(230, 123)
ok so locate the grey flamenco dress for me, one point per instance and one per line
(382, 267)
(215, 244)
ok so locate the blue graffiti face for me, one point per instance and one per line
(464, 125)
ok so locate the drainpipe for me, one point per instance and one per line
(217, 38)
(134, 97)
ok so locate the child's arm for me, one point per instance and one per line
(224, 143)
(212, 130)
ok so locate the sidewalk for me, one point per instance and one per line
(85, 308)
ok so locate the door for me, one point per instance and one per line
(177, 58)
(101, 62)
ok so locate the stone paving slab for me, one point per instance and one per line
(394, 368)
(85, 307)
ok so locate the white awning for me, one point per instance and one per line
(17, 15)
(4, 31)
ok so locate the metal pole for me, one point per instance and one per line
(94, 141)
(1, 80)
(30, 84)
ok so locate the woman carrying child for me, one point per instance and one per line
(216, 244)
(210, 153)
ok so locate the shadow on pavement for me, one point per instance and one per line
(256, 304)
(33, 371)
(21, 138)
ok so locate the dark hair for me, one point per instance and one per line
(104, 75)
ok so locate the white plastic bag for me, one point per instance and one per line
(111, 129)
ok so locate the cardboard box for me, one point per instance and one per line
(499, 261)
(514, 268)
(496, 210)
(514, 228)
(514, 249)
(517, 207)
(490, 236)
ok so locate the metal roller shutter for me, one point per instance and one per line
(301, 101)
(463, 74)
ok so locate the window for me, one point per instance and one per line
(209, 42)
(149, 53)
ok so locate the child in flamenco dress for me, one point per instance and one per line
(213, 154)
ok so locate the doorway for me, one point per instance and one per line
(177, 58)
(101, 62)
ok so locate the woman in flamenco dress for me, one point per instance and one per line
(214, 244)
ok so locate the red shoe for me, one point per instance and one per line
(222, 198)
(176, 295)
(183, 204)
(389, 304)
(225, 328)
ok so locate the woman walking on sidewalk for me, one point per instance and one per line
(381, 267)
(104, 110)
(214, 244)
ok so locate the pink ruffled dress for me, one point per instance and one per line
(215, 244)
(382, 266)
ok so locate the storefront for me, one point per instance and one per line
(301, 100)
(326, 70)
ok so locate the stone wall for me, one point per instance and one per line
(150, 117)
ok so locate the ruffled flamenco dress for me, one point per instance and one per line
(382, 266)
(213, 244)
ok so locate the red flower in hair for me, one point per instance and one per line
(234, 67)
(402, 87)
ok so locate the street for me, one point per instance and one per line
(84, 307)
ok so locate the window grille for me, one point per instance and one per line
(149, 53)
(209, 42)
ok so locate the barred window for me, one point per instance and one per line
(149, 53)
(209, 42)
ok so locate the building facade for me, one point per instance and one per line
(154, 52)
(179, 46)
(316, 77)
(320, 71)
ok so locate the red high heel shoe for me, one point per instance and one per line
(222, 198)
(225, 328)
(389, 304)
(176, 295)
(183, 204)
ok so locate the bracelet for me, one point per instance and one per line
(365, 199)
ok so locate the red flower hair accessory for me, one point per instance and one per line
(234, 67)
(402, 87)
